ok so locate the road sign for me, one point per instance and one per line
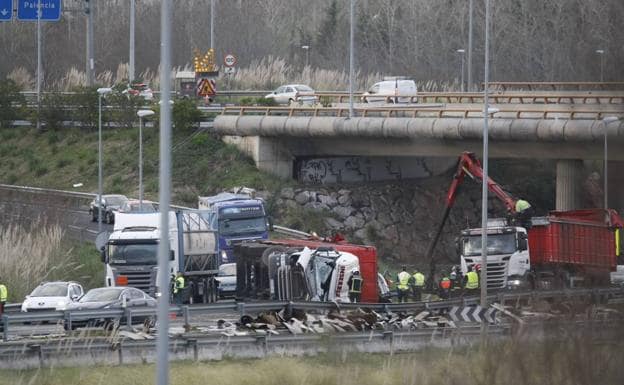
(50, 10)
(6, 10)
(473, 314)
(229, 60)
(206, 87)
(229, 70)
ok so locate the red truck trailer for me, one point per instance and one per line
(578, 245)
(253, 267)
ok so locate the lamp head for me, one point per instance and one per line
(144, 113)
(104, 90)
(461, 51)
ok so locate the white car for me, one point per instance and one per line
(52, 296)
(293, 93)
(391, 91)
(141, 90)
(227, 279)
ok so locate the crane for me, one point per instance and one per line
(469, 165)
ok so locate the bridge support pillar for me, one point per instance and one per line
(569, 184)
(269, 154)
(616, 186)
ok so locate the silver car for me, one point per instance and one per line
(52, 296)
(293, 93)
(226, 277)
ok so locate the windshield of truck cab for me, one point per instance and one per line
(238, 226)
(133, 254)
(497, 244)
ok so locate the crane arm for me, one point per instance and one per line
(468, 164)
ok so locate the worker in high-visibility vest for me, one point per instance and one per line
(523, 214)
(419, 284)
(4, 295)
(445, 287)
(178, 289)
(472, 281)
(355, 286)
(403, 280)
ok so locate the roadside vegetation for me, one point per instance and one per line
(44, 254)
(578, 359)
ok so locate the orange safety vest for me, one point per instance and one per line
(445, 283)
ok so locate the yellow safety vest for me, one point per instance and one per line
(419, 279)
(404, 278)
(522, 205)
(473, 280)
(617, 242)
(4, 294)
(179, 284)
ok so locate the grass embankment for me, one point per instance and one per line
(575, 360)
(38, 252)
(202, 164)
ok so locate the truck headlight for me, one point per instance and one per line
(224, 256)
(514, 283)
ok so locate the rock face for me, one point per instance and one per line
(399, 219)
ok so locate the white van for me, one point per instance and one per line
(391, 91)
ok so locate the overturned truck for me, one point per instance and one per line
(307, 270)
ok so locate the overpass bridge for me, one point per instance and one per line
(276, 137)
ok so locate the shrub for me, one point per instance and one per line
(12, 103)
(52, 113)
(124, 107)
(185, 114)
(85, 103)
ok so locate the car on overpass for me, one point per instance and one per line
(293, 93)
(111, 203)
(136, 206)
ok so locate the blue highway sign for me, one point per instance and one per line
(6, 10)
(50, 10)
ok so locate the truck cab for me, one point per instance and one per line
(508, 263)
(131, 252)
(238, 218)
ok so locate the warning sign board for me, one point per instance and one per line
(206, 87)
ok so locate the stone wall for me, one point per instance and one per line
(400, 219)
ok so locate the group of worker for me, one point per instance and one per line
(452, 284)
(410, 284)
(4, 296)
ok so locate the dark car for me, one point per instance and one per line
(111, 298)
(111, 203)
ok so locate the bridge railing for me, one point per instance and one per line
(557, 85)
(523, 112)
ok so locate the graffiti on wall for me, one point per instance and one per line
(360, 169)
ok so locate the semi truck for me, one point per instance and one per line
(565, 248)
(307, 269)
(131, 252)
(237, 218)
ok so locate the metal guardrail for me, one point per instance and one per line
(525, 112)
(556, 85)
(246, 308)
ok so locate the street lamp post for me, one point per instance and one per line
(484, 185)
(605, 121)
(351, 36)
(601, 53)
(141, 114)
(131, 58)
(307, 55)
(101, 92)
(461, 76)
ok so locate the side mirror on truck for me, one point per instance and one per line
(171, 255)
(522, 242)
(270, 223)
(103, 255)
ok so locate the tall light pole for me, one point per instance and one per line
(141, 114)
(212, 12)
(90, 61)
(307, 51)
(470, 7)
(101, 92)
(162, 339)
(39, 65)
(605, 122)
(131, 59)
(484, 185)
(601, 53)
(351, 33)
(461, 71)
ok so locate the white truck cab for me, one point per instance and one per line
(508, 263)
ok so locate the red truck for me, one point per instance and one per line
(571, 248)
(258, 264)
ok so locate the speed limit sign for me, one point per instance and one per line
(229, 60)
